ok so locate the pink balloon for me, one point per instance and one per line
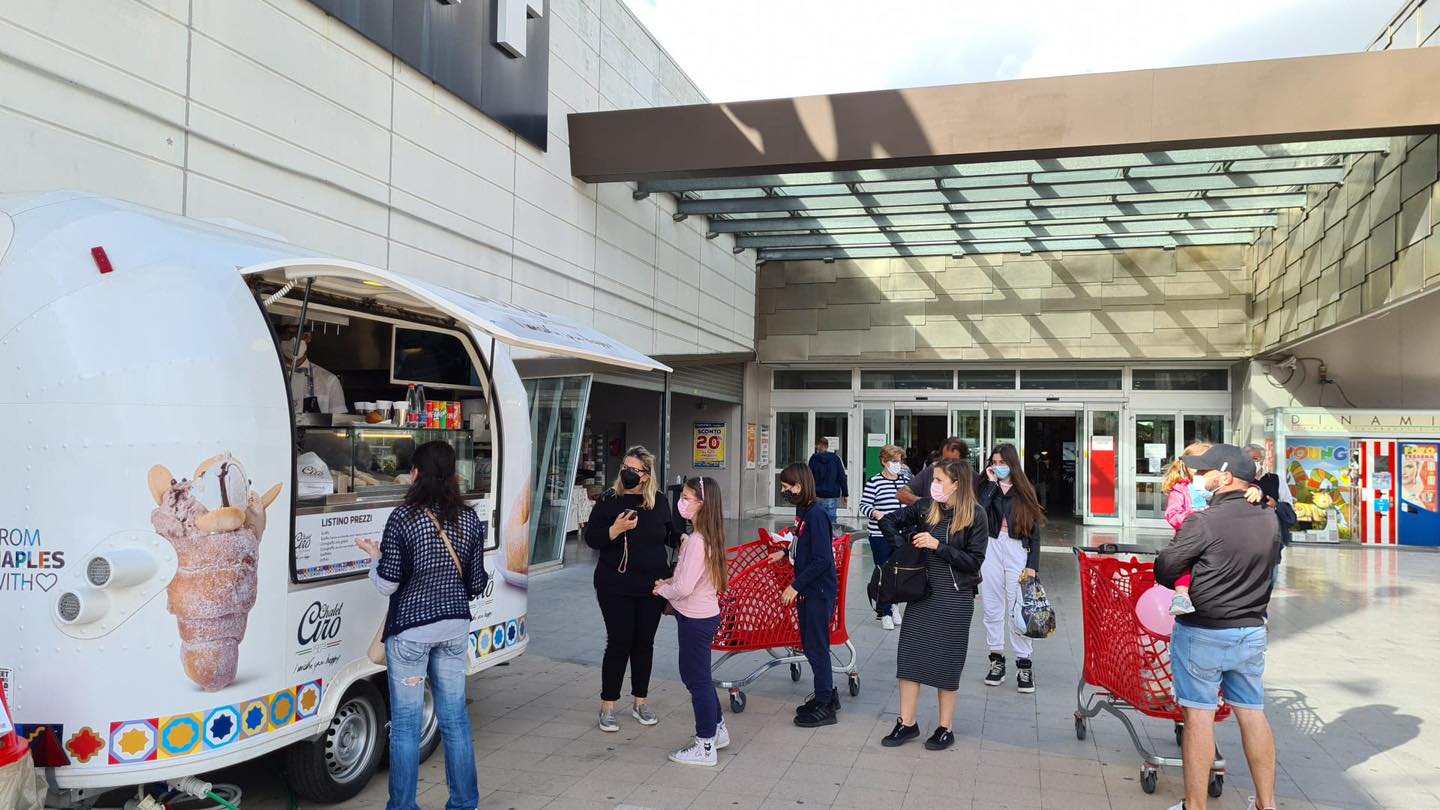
(1153, 611)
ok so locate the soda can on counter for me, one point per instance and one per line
(437, 415)
(452, 415)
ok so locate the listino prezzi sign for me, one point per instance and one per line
(494, 54)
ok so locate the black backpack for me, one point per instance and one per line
(903, 578)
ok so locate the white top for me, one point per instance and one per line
(327, 389)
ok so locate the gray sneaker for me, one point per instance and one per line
(607, 721)
(643, 713)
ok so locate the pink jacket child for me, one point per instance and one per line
(1178, 506)
(690, 591)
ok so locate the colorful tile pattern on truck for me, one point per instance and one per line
(184, 735)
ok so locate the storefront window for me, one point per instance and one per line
(986, 379)
(1207, 428)
(907, 380)
(812, 379)
(557, 409)
(1154, 450)
(966, 425)
(836, 428)
(1179, 379)
(1105, 379)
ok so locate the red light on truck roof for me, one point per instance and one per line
(101, 260)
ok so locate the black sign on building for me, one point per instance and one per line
(473, 48)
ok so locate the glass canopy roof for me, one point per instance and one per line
(1206, 196)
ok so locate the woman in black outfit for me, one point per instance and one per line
(631, 528)
(1012, 557)
(950, 526)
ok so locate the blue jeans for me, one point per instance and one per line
(695, 636)
(880, 549)
(829, 505)
(1205, 660)
(409, 664)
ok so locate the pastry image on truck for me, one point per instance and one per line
(215, 524)
(190, 618)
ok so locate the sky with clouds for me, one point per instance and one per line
(742, 49)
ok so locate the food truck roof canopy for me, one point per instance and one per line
(508, 323)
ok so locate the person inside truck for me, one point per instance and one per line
(312, 388)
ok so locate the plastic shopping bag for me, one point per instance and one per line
(1032, 614)
(21, 788)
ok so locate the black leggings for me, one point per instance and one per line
(630, 625)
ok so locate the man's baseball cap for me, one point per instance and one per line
(1224, 458)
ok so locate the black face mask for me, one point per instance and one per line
(629, 479)
(792, 497)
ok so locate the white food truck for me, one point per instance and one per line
(184, 598)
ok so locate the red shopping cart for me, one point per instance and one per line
(752, 618)
(1127, 667)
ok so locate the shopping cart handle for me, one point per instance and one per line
(1117, 548)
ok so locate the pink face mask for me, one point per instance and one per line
(688, 508)
(938, 493)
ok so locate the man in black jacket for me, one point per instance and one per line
(1230, 550)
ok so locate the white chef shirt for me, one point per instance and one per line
(327, 389)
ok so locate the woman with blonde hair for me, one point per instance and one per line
(631, 528)
(949, 526)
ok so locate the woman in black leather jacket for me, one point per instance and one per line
(1015, 518)
(950, 526)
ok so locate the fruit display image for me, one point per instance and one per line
(215, 523)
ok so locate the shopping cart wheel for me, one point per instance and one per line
(1148, 780)
(1217, 785)
(1079, 727)
(737, 702)
(1180, 734)
(795, 672)
(854, 685)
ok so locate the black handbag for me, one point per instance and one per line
(903, 578)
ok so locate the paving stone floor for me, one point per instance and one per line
(1351, 686)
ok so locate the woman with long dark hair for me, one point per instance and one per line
(950, 527)
(1013, 556)
(431, 563)
(631, 527)
(814, 589)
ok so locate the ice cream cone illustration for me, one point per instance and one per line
(517, 542)
(215, 524)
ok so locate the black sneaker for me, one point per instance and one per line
(901, 734)
(810, 703)
(996, 676)
(1024, 680)
(942, 738)
(822, 715)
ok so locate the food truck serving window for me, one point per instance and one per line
(353, 469)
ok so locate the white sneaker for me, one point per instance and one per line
(895, 616)
(1180, 806)
(701, 752)
(722, 736)
(887, 622)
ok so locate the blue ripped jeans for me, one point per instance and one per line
(443, 663)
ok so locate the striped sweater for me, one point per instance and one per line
(879, 496)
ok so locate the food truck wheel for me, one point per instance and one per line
(336, 767)
(429, 726)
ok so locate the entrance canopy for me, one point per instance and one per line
(1160, 158)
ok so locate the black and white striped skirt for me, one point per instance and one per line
(936, 631)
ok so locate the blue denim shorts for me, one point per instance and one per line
(1204, 660)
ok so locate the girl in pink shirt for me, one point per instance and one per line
(692, 592)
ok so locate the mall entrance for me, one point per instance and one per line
(1050, 454)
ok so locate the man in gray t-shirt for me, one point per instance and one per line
(954, 448)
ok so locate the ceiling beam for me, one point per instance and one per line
(1300, 155)
(991, 214)
(1015, 192)
(1008, 231)
(1009, 246)
(1350, 95)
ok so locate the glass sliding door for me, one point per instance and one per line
(875, 432)
(1007, 426)
(1154, 447)
(967, 423)
(557, 420)
(920, 431)
(1203, 427)
(792, 444)
(834, 426)
(1099, 466)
